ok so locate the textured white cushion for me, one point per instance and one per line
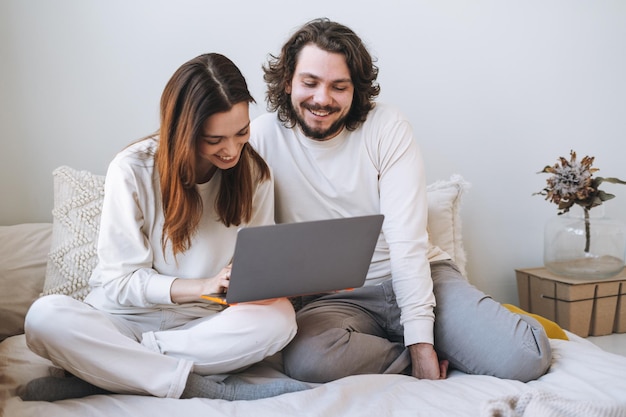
(76, 221)
(444, 217)
(23, 251)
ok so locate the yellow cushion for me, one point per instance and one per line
(553, 330)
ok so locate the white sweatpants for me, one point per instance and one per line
(153, 353)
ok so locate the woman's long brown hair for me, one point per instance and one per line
(201, 87)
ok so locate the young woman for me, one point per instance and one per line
(173, 203)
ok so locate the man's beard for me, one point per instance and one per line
(319, 134)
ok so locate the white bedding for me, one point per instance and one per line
(581, 372)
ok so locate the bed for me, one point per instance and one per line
(57, 257)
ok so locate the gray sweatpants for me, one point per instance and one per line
(359, 332)
(153, 353)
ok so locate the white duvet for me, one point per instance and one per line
(583, 380)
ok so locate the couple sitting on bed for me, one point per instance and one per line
(174, 201)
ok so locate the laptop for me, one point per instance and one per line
(292, 259)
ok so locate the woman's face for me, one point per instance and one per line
(221, 140)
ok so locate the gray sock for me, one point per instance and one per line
(53, 388)
(234, 388)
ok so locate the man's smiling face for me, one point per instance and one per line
(321, 92)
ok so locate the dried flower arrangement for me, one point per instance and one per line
(572, 182)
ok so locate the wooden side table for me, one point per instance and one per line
(584, 307)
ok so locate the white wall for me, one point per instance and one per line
(495, 90)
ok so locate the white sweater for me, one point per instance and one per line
(376, 169)
(133, 274)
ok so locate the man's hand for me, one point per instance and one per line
(425, 363)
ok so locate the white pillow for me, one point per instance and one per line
(23, 251)
(444, 218)
(76, 221)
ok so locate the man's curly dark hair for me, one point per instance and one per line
(331, 37)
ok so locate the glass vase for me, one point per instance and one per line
(588, 247)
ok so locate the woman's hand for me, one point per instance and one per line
(189, 290)
(219, 283)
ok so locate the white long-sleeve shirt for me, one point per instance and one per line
(377, 168)
(133, 274)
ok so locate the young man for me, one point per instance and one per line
(335, 153)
